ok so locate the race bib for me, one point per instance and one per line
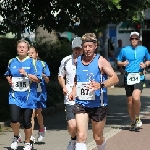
(83, 93)
(20, 83)
(133, 78)
(39, 89)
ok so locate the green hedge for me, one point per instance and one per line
(4, 107)
(54, 92)
(7, 51)
(53, 53)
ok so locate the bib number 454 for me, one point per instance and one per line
(133, 78)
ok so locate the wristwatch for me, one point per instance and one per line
(27, 75)
(102, 85)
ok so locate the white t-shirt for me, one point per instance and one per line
(68, 69)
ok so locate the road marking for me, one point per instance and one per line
(117, 129)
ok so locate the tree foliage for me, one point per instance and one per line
(62, 15)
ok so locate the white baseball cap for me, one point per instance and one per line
(77, 42)
(134, 33)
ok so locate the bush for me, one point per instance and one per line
(53, 53)
(7, 51)
(54, 94)
(4, 107)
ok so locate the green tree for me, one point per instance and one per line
(61, 15)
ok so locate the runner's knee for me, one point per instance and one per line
(14, 119)
(72, 124)
(27, 118)
(82, 137)
(98, 138)
(27, 125)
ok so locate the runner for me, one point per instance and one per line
(22, 75)
(67, 70)
(42, 95)
(91, 101)
(133, 57)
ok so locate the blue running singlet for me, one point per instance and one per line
(86, 73)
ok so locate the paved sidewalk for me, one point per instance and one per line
(126, 140)
(115, 131)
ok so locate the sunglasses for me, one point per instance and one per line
(134, 39)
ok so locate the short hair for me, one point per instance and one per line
(38, 58)
(20, 41)
(34, 48)
(89, 37)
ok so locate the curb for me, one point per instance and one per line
(45, 112)
(4, 124)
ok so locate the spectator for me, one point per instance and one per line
(115, 55)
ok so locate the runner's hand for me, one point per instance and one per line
(22, 71)
(65, 91)
(147, 63)
(10, 81)
(142, 65)
(71, 96)
(93, 85)
(43, 75)
(126, 63)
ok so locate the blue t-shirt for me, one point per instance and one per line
(134, 56)
(27, 98)
(42, 94)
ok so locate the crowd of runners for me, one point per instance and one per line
(84, 77)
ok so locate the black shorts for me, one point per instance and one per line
(118, 67)
(69, 112)
(130, 88)
(97, 114)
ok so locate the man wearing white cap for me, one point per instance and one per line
(67, 69)
(132, 57)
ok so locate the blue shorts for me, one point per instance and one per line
(41, 104)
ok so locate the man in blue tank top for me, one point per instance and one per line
(135, 58)
(90, 92)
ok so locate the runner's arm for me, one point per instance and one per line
(29, 75)
(147, 58)
(8, 75)
(120, 58)
(61, 81)
(61, 75)
(33, 78)
(47, 73)
(72, 95)
(46, 78)
(105, 66)
(35, 72)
